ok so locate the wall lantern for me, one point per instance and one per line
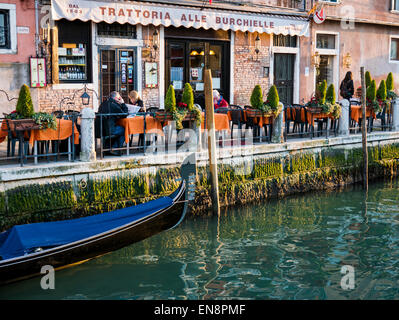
(347, 61)
(316, 60)
(257, 44)
(155, 40)
(85, 98)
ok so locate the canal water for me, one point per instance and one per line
(335, 245)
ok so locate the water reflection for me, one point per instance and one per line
(285, 249)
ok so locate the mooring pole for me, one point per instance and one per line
(210, 126)
(364, 134)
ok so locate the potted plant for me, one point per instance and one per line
(170, 106)
(256, 101)
(324, 100)
(273, 103)
(371, 97)
(24, 117)
(186, 106)
(391, 95)
(317, 102)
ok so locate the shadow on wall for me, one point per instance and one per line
(12, 77)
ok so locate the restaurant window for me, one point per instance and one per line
(395, 5)
(4, 29)
(74, 51)
(116, 30)
(325, 41)
(394, 56)
(186, 61)
(280, 40)
(325, 70)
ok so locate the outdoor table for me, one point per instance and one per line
(259, 120)
(63, 131)
(313, 114)
(356, 113)
(222, 121)
(135, 125)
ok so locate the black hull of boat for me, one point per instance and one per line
(31, 265)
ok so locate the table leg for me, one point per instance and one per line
(69, 150)
(35, 152)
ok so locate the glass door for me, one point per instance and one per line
(186, 61)
(117, 72)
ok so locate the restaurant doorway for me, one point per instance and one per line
(186, 61)
(117, 72)
(284, 64)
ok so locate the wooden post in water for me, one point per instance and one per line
(364, 133)
(210, 126)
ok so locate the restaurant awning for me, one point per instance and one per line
(177, 16)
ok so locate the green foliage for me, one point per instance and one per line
(170, 100)
(330, 95)
(188, 96)
(257, 97)
(382, 91)
(273, 99)
(25, 104)
(45, 120)
(371, 92)
(321, 92)
(391, 95)
(368, 78)
(390, 82)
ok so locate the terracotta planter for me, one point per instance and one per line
(163, 116)
(254, 113)
(190, 116)
(23, 124)
(315, 109)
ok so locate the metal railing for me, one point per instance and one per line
(54, 150)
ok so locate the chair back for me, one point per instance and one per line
(58, 114)
(237, 115)
(105, 126)
(222, 110)
(152, 110)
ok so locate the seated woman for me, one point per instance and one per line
(218, 100)
(136, 101)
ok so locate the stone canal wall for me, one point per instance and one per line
(248, 174)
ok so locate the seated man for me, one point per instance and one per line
(218, 100)
(113, 105)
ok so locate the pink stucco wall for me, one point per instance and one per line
(25, 16)
(368, 44)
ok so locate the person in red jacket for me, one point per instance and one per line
(218, 100)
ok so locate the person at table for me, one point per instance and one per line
(218, 100)
(114, 105)
(136, 100)
(346, 88)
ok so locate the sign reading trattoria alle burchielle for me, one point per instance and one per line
(166, 15)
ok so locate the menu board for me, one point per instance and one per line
(151, 74)
(38, 72)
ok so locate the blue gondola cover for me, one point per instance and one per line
(21, 239)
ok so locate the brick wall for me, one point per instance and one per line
(248, 67)
(51, 99)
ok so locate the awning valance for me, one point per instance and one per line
(177, 16)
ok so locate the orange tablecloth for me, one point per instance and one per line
(222, 121)
(64, 131)
(356, 113)
(135, 125)
(259, 120)
(291, 117)
(3, 131)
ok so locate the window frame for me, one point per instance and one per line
(11, 8)
(394, 4)
(391, 38)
